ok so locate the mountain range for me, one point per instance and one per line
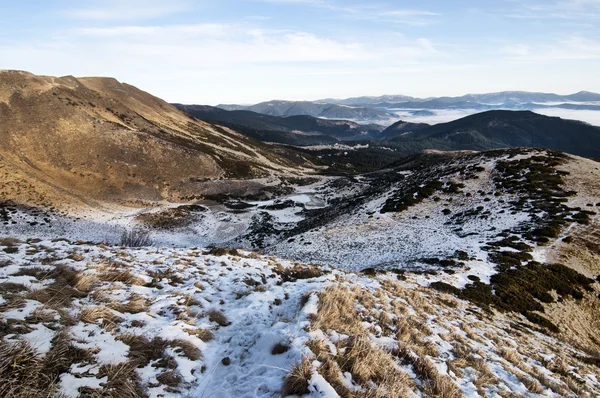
(381, 109)
(316, 109)
(489, 98)
(483, 131)
(303, 128)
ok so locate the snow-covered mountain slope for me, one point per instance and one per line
(92, 320)
(448, 274)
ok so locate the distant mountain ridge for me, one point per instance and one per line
(383, 108)
(294, 130)
(505, 129)
(315, 109)
(487, 98)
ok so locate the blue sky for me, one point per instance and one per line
(245, 51)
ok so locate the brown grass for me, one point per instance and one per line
(124, 276)
(532, 385)
(170, 378)
(218, 317)
(187, 348)
(9, 242)
(337, 311)
(22, 372)
(62, 291)
(11, 287)
(331, 371)
(296, 381)
(510, 355)
(203, 334)
(108, 316)
(319, 348)
(86, 281)
(135, 305)
(142, 350)
(123, 381)
(298, 271)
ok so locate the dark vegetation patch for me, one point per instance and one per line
(292, 274)
(539, 185)
(283, 204)
(353, 161)
(222, 251)
(416, 195)
(238, 205)
(177, 217)
(424, 168)
(523, 289)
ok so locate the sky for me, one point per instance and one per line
(247, 51)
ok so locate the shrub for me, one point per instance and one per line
(542, 321)
(136, 238)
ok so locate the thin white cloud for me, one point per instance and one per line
(225, 44)
(562, 10)
(368, 12)
(571, 48)
(125, 10)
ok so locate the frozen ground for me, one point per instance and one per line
(336, 222)
(233, 324)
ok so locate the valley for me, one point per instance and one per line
(149, 252)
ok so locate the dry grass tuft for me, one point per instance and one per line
(62, 291)
(187, 348)
(532, 385)
(442, 387)
(22, 372)
(9, 242)
(108, 316)
(510, 355)
(298, 271)
(123, 381)
(297, 381)
(203, 334)
(365, 361)
(331, 371)
(142, 350)
(218, 317)
(319, 348)
(135, 305)
(62, 355)
(124, 276)
(86, 281)
(170, 378)
(337, 311)
(12, 288)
